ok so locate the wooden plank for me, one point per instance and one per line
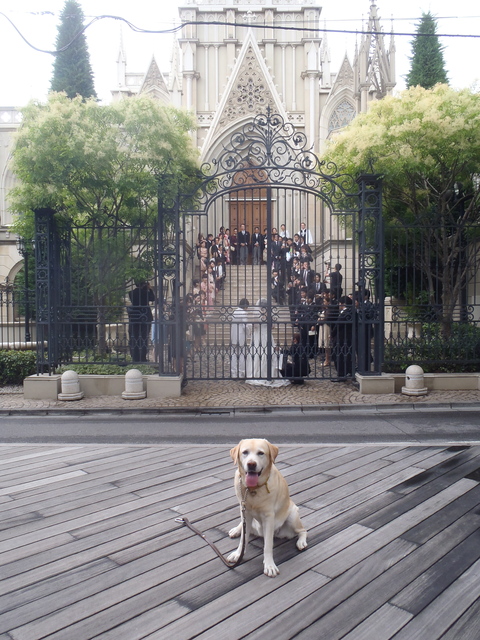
(442, 467)
(365, 601)
(142, 624)
(430, 526)
(8, 460)
(40, 483)
(436, 619)
(381, 625)
(257, 613)
(467, 627)
(395, 528)
(417, 595)
(300, 616)
(33, 601)
(422, 492)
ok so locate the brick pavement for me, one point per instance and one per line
(234, 394)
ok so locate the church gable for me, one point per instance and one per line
(344, 77)
(250, 91)
(154, 83)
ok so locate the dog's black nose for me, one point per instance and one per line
(252, 465)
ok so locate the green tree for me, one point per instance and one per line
(427, 63)
(426, 145)
(90, 161)
(72, 71)
(100, 167)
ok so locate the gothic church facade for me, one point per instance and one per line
(233, 60)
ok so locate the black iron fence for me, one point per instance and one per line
(17, 317)
(432, 304)
(420, 327)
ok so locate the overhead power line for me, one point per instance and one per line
(257, 25)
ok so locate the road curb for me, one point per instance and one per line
(234, 410)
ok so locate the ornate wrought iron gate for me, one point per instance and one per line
(224, 303)
(234, 304)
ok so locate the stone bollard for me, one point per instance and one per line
(134, 386)
(70, 386)
(414, 382)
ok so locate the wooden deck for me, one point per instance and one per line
(89, 546)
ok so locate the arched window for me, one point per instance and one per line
(343, 115)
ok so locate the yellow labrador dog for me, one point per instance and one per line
(269, 511)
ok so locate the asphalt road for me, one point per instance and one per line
(455, 426)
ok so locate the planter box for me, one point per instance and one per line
(45, 387)
(393, 382)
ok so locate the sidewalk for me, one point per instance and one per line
(233, 395)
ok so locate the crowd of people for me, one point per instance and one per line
(241, 246)
(323, 320)
(323, 328)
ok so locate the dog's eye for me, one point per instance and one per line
(244, 453)
(261, 453)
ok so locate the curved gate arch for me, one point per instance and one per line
(267, 178)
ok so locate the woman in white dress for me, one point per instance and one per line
(257, 365)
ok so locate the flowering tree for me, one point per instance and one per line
(426, 145)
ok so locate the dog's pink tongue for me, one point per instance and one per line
(251, 479)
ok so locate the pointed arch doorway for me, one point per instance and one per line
(249, 206)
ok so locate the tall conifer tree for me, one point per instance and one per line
(72, 71)
(428, 66)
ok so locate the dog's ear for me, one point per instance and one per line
(273, 449)
(235, 452)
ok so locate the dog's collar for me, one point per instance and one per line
(253, 490)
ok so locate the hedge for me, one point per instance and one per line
(15, 366)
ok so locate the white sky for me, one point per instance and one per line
(26, 73)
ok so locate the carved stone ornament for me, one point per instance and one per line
(250, 94)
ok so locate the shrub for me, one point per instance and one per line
(16, 365)
(106, 369)
(460, 354)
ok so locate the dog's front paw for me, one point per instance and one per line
(271, 570)
(235, 532)
(234, 556)
(302, 543)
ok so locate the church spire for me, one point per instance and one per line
(374, 65)
(121, 63)
(325, 59)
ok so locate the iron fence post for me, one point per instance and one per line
(46, 266)
(371, 269)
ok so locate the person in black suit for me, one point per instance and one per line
(140, 318)
(307, 275)
(243, 243)
(317, 287)
(303, 317)
(336, 280)
(276, 250)
(258, 246)
(278, 289)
